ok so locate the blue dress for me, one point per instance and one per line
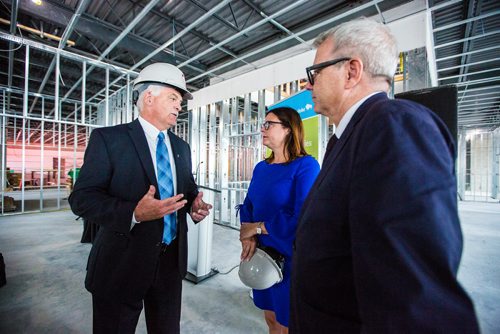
(275, 197)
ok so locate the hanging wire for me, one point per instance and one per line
(15, 49)
(227, 272)
(18, 29)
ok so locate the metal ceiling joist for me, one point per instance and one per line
(272, 21)
(455, 24)
(182, 33)
(479, 125)
(489, 125)
(481, 111)
(491, 48)
(62, 43)
(466, 51)
(469, 73)
(464, 111)
(469, 64)
(467, 102)
(120, 37)
(66, 54)
(471, 100)
(166, 44)
(479, 118)
(304, 31)
(479, 108)
(479, 89)
(487, 34)
(129, 28)
(42, 96)
(469, 97)
(244, 31)
(474, 6)
(382, 18)
(217, 17)
(489, 117)
(97, 29)
(444, 5)
(478, 81)
(194, 32)
(478, 112)
(13, 25)
(477, 53)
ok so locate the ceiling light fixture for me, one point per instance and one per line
(37, 2)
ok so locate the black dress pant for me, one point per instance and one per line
(162, 302)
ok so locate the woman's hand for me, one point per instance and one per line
(248, 246)
(248, 230)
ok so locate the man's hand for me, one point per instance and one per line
(199, 209)
(248, 246)
(150, 208)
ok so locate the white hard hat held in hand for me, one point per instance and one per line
(261, 272)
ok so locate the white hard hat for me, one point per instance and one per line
(261, 272)
(164, 74)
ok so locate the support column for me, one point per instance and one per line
(495, 170)
(460, 165)
(200, 235)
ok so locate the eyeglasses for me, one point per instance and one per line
(313, 71)
(267, 124)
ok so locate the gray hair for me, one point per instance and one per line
(143, 88)
(371, 41)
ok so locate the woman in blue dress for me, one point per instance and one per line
(269, 214)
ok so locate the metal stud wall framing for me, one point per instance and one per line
(30, 137)
(226, 145)
(478, 165)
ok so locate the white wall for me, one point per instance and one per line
(268, 76)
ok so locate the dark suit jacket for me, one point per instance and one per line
(378, 242)
(116, 174)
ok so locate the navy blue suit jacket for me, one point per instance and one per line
(378, 243)
(116, 173)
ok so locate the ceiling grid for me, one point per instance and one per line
(467, 43)
(210, 38)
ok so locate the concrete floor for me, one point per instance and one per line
(46, 267)
(480, 268)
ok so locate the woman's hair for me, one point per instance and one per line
(294, 140)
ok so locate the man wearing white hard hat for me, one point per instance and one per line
(136, 184)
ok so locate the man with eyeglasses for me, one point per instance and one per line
(378, 242)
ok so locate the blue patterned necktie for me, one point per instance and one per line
(165, 186)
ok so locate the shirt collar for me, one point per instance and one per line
(150, 130)
(348, 115)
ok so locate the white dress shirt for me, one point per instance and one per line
(339, 130)
(151, 133)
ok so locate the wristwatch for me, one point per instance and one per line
(259, 228)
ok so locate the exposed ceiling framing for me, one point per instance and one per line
(467, 48)
(210, 38)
